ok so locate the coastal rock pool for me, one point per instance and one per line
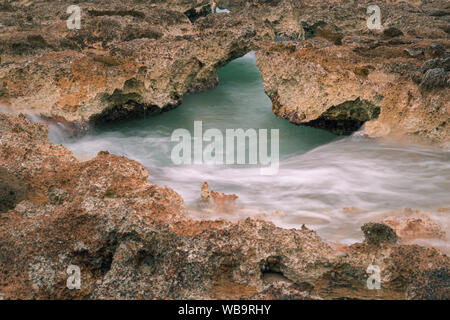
(332, 184)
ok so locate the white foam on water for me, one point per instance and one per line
(310, 188)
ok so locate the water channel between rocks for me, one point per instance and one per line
(320, 175)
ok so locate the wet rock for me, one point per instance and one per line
(346, 118)
(215, 196)
(140, 245)
(378, 234)
(217, 201)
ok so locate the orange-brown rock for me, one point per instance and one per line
(320, 63)
(126, 59)
(131, 240)
(343, 75)
(217, 201)
(321, 66)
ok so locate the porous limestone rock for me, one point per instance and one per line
(320, 63)
(131, 240)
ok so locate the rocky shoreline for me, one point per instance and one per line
(138, 59)
(131, 238)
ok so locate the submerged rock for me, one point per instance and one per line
(209, 195)
(414, 228)
(216, 201)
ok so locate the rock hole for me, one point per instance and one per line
(271, 269)
(146, 263)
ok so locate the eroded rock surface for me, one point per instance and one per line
(321, 66)
(320, 63)
(127, 58)
(343, 74)
(216, 201)
(131, 240)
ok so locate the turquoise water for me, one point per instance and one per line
(319, 173)
(238, 102)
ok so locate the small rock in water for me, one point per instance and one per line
(352, 209)
(217, 201)
(416, 227)
(378, 233)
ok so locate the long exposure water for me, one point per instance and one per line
(320, 176)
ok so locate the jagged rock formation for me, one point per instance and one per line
(320, 63)
(216, 201)
(131, 240)
(321, 66)
(126, 59)
(344, 74)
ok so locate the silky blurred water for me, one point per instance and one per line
(320, 174)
